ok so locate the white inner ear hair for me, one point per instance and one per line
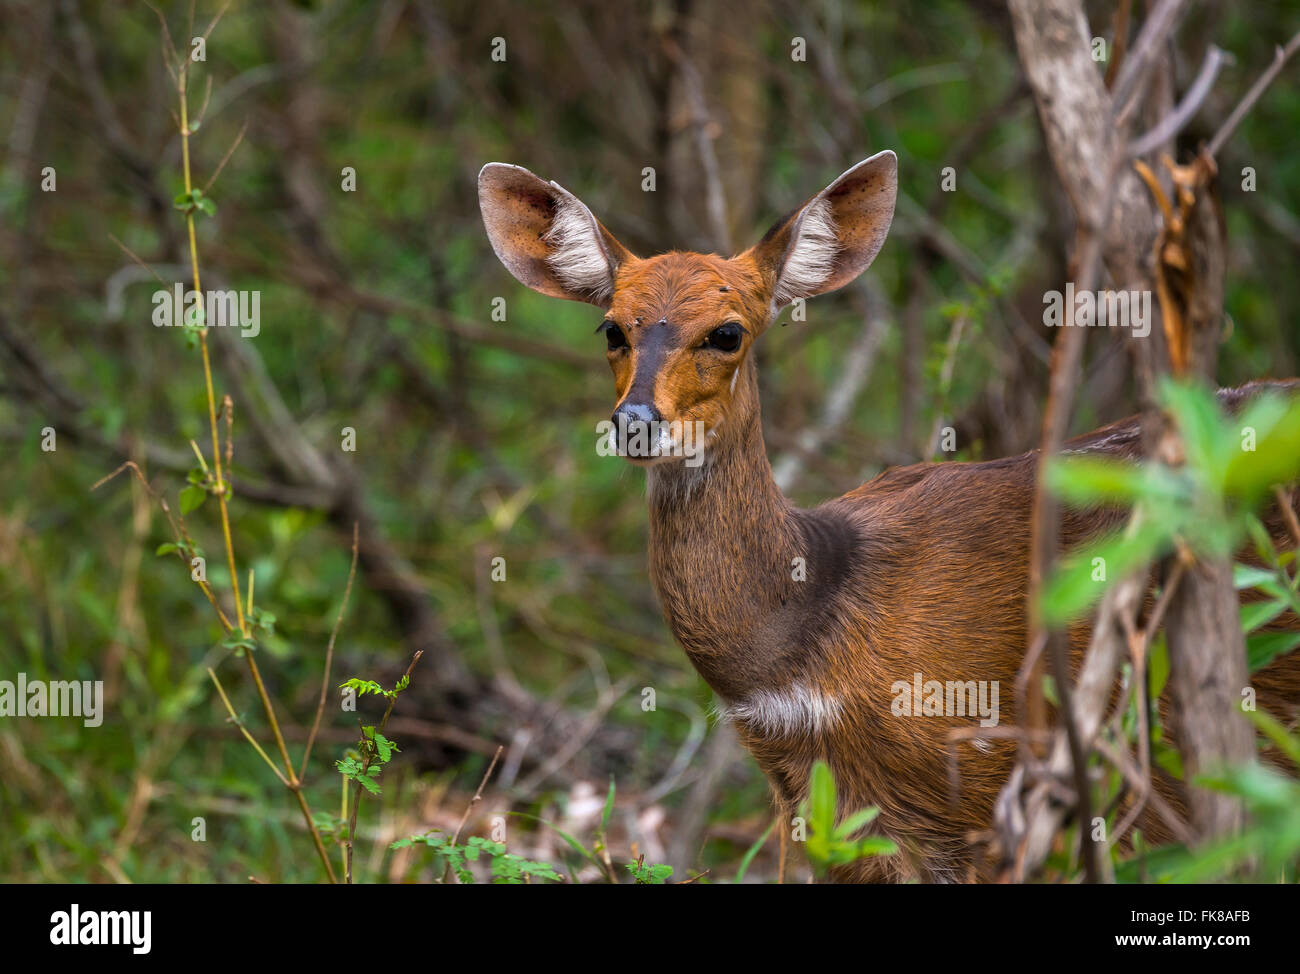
(812, 257)
(577, 257)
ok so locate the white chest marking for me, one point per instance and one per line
(796, 709)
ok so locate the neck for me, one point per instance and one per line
(723, 550)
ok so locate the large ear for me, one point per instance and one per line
(546, 236)
(833, 237)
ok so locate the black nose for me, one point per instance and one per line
(634, 434)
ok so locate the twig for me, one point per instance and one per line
(1066, 360)
(226, 158)
(1166, 813)
(858, 364)
(945, 380)
(1280, 57)
(478, 794)
(1288, 512)
(329, 653)
(478, 797)
(694, 879)
(132, 254)
(704, 135)
(366, 761)
(780, 866)
(1133, 73)
(217, 19)
(234, 719)
(1119, 42)
(1162, 603)
(178, 532)
(1191, 102)
(222, 487)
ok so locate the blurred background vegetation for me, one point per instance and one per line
(474, 437)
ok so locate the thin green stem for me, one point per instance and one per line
(290, 779)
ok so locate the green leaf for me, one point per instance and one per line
(1264, 647)
(1250, 576)
(435, 840)
(1071, 591)
(385, 747)
(1169, 759)
(820, 846)
(1259, 785)
(1206, 438)
(1263, 543)
(609, 808)
(1084, 480)
(166, 548)
(1214, 861)
(573, 843)
(1287, 743)
(1049, 690)
(821, 791)
(648, 875)
(875, 846)
(752, 851)
(362, 687)
(1276, 457)
(855, 822)
(207, 206)
(539, 870)
(1158, 666)
(192, 498)
(1256, 614)
(238, 641)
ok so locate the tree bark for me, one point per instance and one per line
(1207, 648)
(1207, 671)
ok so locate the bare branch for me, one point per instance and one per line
(1174, 122)
(329, 654)
(1280, 57)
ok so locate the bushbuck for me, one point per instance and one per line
(806, 623)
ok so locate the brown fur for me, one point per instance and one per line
(923, 569)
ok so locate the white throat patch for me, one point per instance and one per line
(794, 710)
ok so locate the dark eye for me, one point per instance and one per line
(614, 336)
(725, 338)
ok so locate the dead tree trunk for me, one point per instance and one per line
(1182, 261)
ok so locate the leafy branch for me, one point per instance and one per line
(828, 844)
(375, 750)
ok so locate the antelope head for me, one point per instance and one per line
(679, 327)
